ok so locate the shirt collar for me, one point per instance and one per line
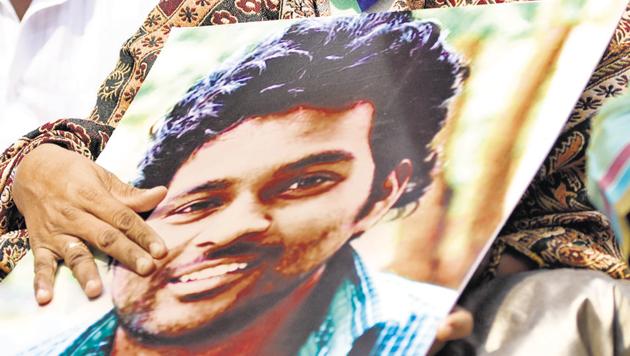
(34, 7)
(352, 310)
(98, 339)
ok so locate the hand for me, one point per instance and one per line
(512, 263)
(458, 325)
(68, 200)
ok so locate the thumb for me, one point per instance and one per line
(458, 325)
(140, 200)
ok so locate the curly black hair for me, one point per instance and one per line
(399, 64)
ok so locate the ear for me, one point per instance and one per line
(393, 187)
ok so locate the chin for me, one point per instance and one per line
(176, 322)
(148, 330)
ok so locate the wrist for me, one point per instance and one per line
(33, 163)
(38, 156)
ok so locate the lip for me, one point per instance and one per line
(193, 267)
(210, 277)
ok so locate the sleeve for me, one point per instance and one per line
(89, 137)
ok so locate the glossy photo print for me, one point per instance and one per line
(333, 183)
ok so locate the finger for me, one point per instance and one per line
(140, 200)
(45, 268)
(120, 217)
(114, 243)
(78, 257)
(462, 323)
(458, 325)
(443, 333)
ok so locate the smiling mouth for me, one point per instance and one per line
(211, 272)
(210, 278)
(219, 269)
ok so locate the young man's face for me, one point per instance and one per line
(250, 215)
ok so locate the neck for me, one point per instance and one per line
(264, 336)
(20, 7)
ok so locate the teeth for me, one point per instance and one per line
(213, 272)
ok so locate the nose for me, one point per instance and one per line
(243, 217)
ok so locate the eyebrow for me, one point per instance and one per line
(208, 186)
(203, 187)
(318, 158)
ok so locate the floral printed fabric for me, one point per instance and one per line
(554, 224)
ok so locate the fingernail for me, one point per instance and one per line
(157, 250)
(92, 289)
(144, 265)
(42, 295)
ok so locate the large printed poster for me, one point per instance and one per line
(332, 182)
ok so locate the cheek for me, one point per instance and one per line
(312, 231)
(308, 246)
(127, 287)
(309, 219)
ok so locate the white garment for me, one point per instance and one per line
(53, 61)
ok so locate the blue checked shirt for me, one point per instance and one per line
(370, 313)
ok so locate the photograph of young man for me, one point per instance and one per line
(273, 165)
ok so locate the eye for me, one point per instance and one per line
(310, 184)
(199, 206)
